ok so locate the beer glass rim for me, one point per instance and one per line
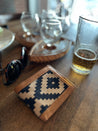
(90, 20)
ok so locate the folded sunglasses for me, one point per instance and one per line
(13, 69)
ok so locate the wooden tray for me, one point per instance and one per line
(24, 40)
(39, 54)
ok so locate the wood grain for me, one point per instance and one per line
(78, 113)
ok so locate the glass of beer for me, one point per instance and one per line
(86, 46)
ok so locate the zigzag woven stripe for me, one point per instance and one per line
(41, 93)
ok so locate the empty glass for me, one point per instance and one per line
(50, 14)
(51, 31)
(65, 22)
(30, 24)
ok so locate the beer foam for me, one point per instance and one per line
(90, 59)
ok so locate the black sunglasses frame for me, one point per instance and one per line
(12, 71)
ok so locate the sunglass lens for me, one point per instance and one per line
(12, 71)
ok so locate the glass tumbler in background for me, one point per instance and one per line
(86, 47)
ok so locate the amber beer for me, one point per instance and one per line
(83, 60)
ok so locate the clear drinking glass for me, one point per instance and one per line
(65, 22)
(30, 24)
(50, 14)
(51, 31)
(63, 11)
(86, 47)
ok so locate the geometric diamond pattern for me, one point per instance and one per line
(41, 93)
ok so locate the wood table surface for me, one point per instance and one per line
(78, 113)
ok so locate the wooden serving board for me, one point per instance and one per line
(39, 54)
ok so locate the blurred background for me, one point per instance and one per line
(79, 7)
(12, 9)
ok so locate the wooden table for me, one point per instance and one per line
(78, 113)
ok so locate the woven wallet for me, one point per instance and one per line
(45, 92)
